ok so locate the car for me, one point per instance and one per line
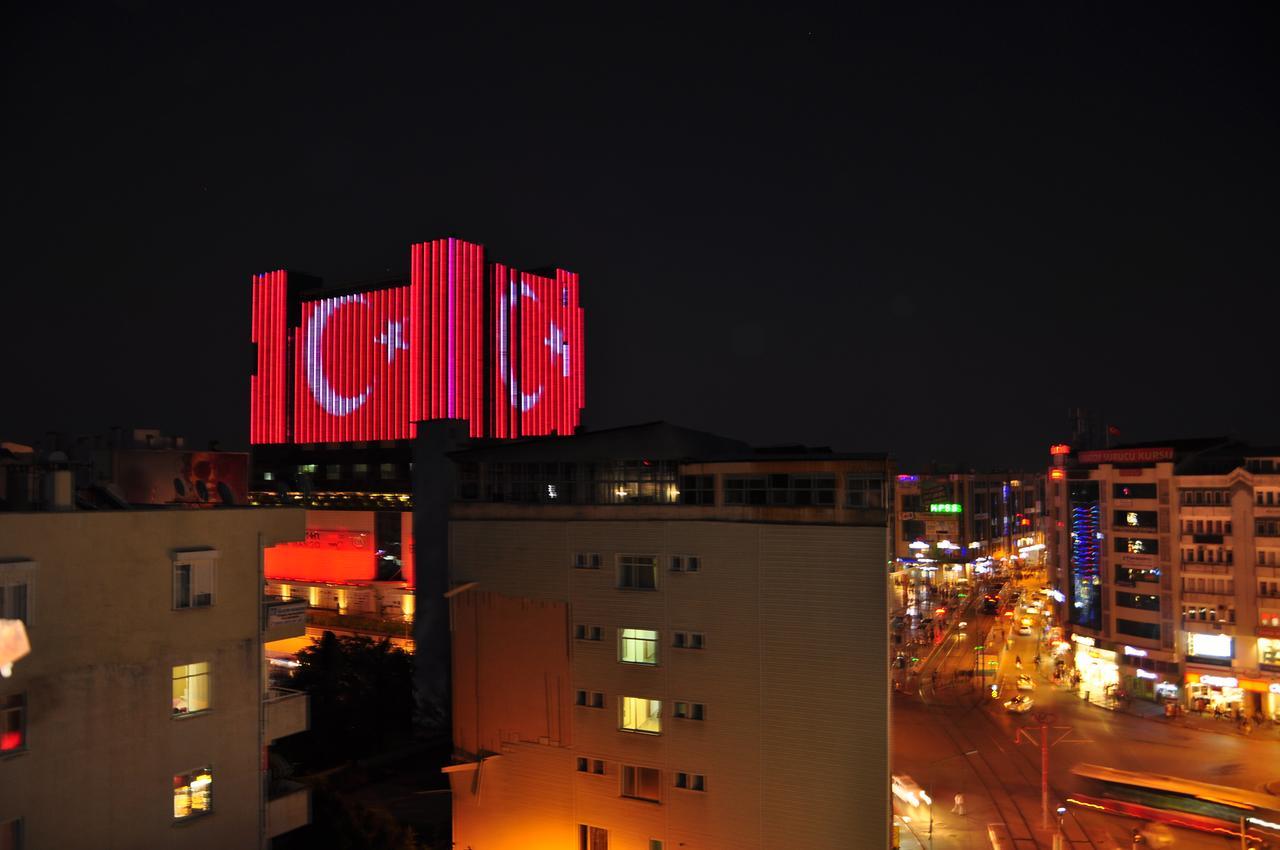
(1019, 705)
(1026, 621)
(962, 625)
(1025, 683)
(906, 790)
(1025, 631)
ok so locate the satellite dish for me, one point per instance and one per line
(202, 490)
(179, 487)
(225, 495)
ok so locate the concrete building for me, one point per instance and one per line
(140, 718)
(664, 639)
(1169, 556)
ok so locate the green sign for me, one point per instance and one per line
(945, 508)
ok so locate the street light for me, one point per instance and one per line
(933, 770)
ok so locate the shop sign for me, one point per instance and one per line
(908, 515)
(1084, 639)
(1146, 674)
(1255, 685)
(1137, 560)
(1127, 455)
(1133, 650)
(1274, 687)
(1268, 631)
(1215, 681)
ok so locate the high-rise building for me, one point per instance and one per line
(1168, 555)
(665, 639)
(140, 717)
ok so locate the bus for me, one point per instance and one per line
(1183, 803)
(990, 604)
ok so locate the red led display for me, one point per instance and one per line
(368, 364)
(267, 386)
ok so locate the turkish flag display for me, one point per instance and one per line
(351, 368)
(537, 353)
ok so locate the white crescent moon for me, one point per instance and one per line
(333, 402)
(525, 400)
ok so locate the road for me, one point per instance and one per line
(933, 726)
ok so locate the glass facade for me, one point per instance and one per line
(1085, 557)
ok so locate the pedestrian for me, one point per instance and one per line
(958, 808)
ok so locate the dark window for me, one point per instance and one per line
(1150, 631)
(864, 491)
(697, 489)
(13, 723)
(1133, 491)
(638, 572)
(1141, 601)
(592, 837)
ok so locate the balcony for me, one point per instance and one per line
(288, 809)
(288, 712)
(1208, 568)
(283, 618)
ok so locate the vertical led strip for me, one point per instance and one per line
(267, 386)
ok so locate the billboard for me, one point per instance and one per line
(163, 477)
(496, 346)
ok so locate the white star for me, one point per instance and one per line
(558, 348)
(393, 338)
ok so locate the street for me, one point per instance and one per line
(951, 736)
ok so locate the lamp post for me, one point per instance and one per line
(933, 770)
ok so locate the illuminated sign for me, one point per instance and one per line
(1133, 650)
(1060, 449)
(1057, 474)
(1127, 455)
(1274, 687)
(1084, 640)
(908, 479)
(1145, 674)
(945, 508)
(465, 339)
(1209, 646)
(1218, 681)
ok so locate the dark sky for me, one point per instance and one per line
(927, 231)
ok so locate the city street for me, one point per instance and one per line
(952, 737)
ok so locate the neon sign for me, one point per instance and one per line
(1060, 449)
(1146, 674)
(1133, 650)
(945, 508)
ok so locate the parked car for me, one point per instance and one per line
(1019, 705)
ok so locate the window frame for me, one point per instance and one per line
(189, 776)
(14, 705)
(202, 567)
(17, 574)
(649, 715)
(207, 675)
(627, 567)
(636, 641)
(632, 787)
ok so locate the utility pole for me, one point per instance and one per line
(1045, 719)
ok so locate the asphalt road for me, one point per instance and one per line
(934, 726)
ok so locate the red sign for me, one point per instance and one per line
(267, 386)
(1060, 449)
(1268, 631)
(1127, 455)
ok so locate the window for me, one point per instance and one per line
(1137, 545)
(691, 781)
(268, 476)
(685, 563)
(780, 489)
(864, 491)
(641, 715)
(308, 468)
(11, 834)
(688, 640)
(360, 470)
(1135, 519)
(313, 597)
(192, 793)
(190, 688)
(638, 572)
(690, 710)
(641, 783)
(387, 471)
(586, 561)
(1140, 601)
(194, 575)
(697, 489)
(1133, 491)
(592, 837)
(1269, 652)
(655, 844)
(13, 724)
(583, 632)
(592, 766)
(333, 471)
(589, 699)
(1151, 631)
(14, 601)
(638, 646)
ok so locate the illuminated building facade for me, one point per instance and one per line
(1171, 569)
(142, 716)
(343, 377)
(660, 637)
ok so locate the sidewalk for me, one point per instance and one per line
(1148, 710)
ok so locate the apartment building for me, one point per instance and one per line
(665, 639)
(140, 717)
(1169, 564)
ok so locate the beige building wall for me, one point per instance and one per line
(102, 744)
(794, 747)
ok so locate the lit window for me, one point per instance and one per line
(190, 688)
(13, 723)
(313, 597)
(638, 646)
(268, 476)
(193, 580)
(641, 715)
(285, 591)
(360, 470)
(342, 600)
(307, 468)
(641, 783)
(638, 572)
(192, 793)
(655, 844)
(386, 471)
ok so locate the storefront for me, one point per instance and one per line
(1232, 694)
(1099, 674)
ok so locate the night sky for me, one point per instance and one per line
(928, 232)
